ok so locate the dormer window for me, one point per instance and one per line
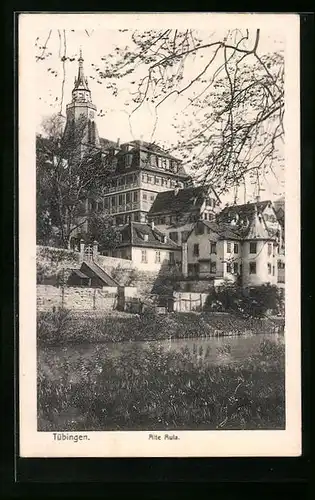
(128, 160)
(145, 237)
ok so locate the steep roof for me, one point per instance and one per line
(151, 147)
(245, 210)
(143, 235)
(247, 221)
(89, 267)
(223, 230)
(186, 200)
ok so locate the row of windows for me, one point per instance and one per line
(123, 181)
(235, 247)
(144, 257)
(175, 219)
(118, 200)
(208, 216)
(157, 180)
(174, 236)
(162, 162)
(234, 267)
(148, 196)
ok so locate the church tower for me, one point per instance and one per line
(81, 111)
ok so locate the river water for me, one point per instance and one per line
(214, 350)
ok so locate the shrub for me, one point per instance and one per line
(248, 302)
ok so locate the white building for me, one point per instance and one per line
(242, 247)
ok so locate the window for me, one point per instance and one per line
(252, 267)
(185, 235)
(135, 196)
(144, 256)
(173, 236)
(157, 257)
(144, 177)
(144, 196)
(269, 268)
(128, 160)
(128, 198)
(120, 199)
(213, 248)
(235, 267)
(269, 248)
(196, 250)
(157, 180)
(136, 217)
(229, 267)
(162, 220)
(213, 267)
(106, 204)
(208, 230)
(229, 247)
(113, 201)
(149, 179)
(273, 270)
(199, 229)
(152, 197)
(253, 249)
(235, 247)
(172, 258)
(205, 216)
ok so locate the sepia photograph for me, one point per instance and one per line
(160, 226)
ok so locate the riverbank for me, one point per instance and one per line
(149, 388)
(64, 328)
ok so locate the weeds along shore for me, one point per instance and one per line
(63, 327)
(150, 388)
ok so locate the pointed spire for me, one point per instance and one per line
(81, 81)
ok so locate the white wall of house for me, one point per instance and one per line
(153, 259)
(204, 249)
(261, 266)
(231, 258)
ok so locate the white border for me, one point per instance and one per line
(136, 444)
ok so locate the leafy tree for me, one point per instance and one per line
(69, 174)
(230, 95)
(103, 230)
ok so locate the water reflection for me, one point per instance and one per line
(214, 350)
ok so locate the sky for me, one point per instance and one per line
(55, 83)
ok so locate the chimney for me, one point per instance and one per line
(258, 199)
(152, 224)
(118, 142)
(82, 250)
(95, 249)
(184, 260)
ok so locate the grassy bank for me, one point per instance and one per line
(149, 388)
(62, 327)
